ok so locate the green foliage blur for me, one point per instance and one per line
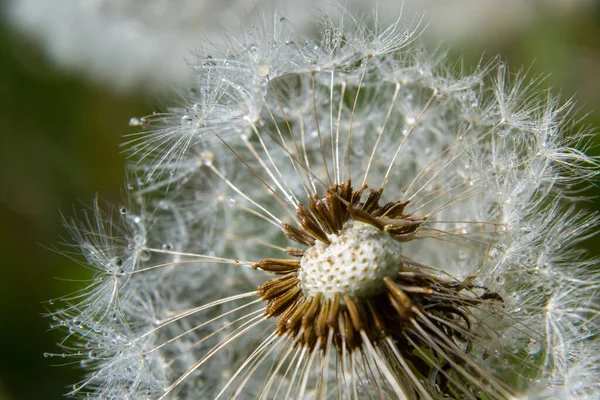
(59, 147)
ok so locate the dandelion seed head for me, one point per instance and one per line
(342, 217)
(354, 264)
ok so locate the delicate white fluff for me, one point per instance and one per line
(133, 43)
(486, 159)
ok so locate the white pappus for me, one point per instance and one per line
(344, 217)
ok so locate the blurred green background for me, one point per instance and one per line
(60, 137)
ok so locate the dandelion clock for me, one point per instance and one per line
(342, 217)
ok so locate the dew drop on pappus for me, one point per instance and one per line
(144, 255)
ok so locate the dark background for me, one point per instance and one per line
(59, 146)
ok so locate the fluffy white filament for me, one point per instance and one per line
(487, 158)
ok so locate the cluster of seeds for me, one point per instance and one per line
(458, 276)
(352, 286)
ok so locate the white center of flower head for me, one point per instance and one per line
(354, 264)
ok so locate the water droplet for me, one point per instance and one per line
(167, 246)
(501, 68)
(144, 255)
(186, 121)
(207, 158)
(533, 347)
(117, 262)
(135, 122)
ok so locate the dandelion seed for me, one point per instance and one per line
(345, 220)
